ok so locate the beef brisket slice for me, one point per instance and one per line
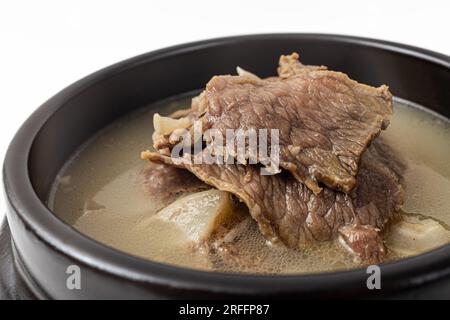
(287, 211)
(325, 120)
(166, 183)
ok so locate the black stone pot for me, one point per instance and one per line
(44, 247)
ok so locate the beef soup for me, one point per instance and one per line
(79, 193)
(347, 195)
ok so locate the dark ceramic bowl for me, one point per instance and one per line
(44, 246)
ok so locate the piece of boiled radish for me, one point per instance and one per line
(194, 217)
(414, 235)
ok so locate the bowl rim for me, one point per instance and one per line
(45, 225)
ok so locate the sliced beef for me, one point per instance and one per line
(325, 120)
(290, 65)
(166, 183)
(364, 241)
(288, 212)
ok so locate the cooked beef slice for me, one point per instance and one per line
(166, 183)
(364, 241)
(325, 120)
(290, 65)
(288, 212)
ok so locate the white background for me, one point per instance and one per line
(46, 45)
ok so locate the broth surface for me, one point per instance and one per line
(99, 192)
